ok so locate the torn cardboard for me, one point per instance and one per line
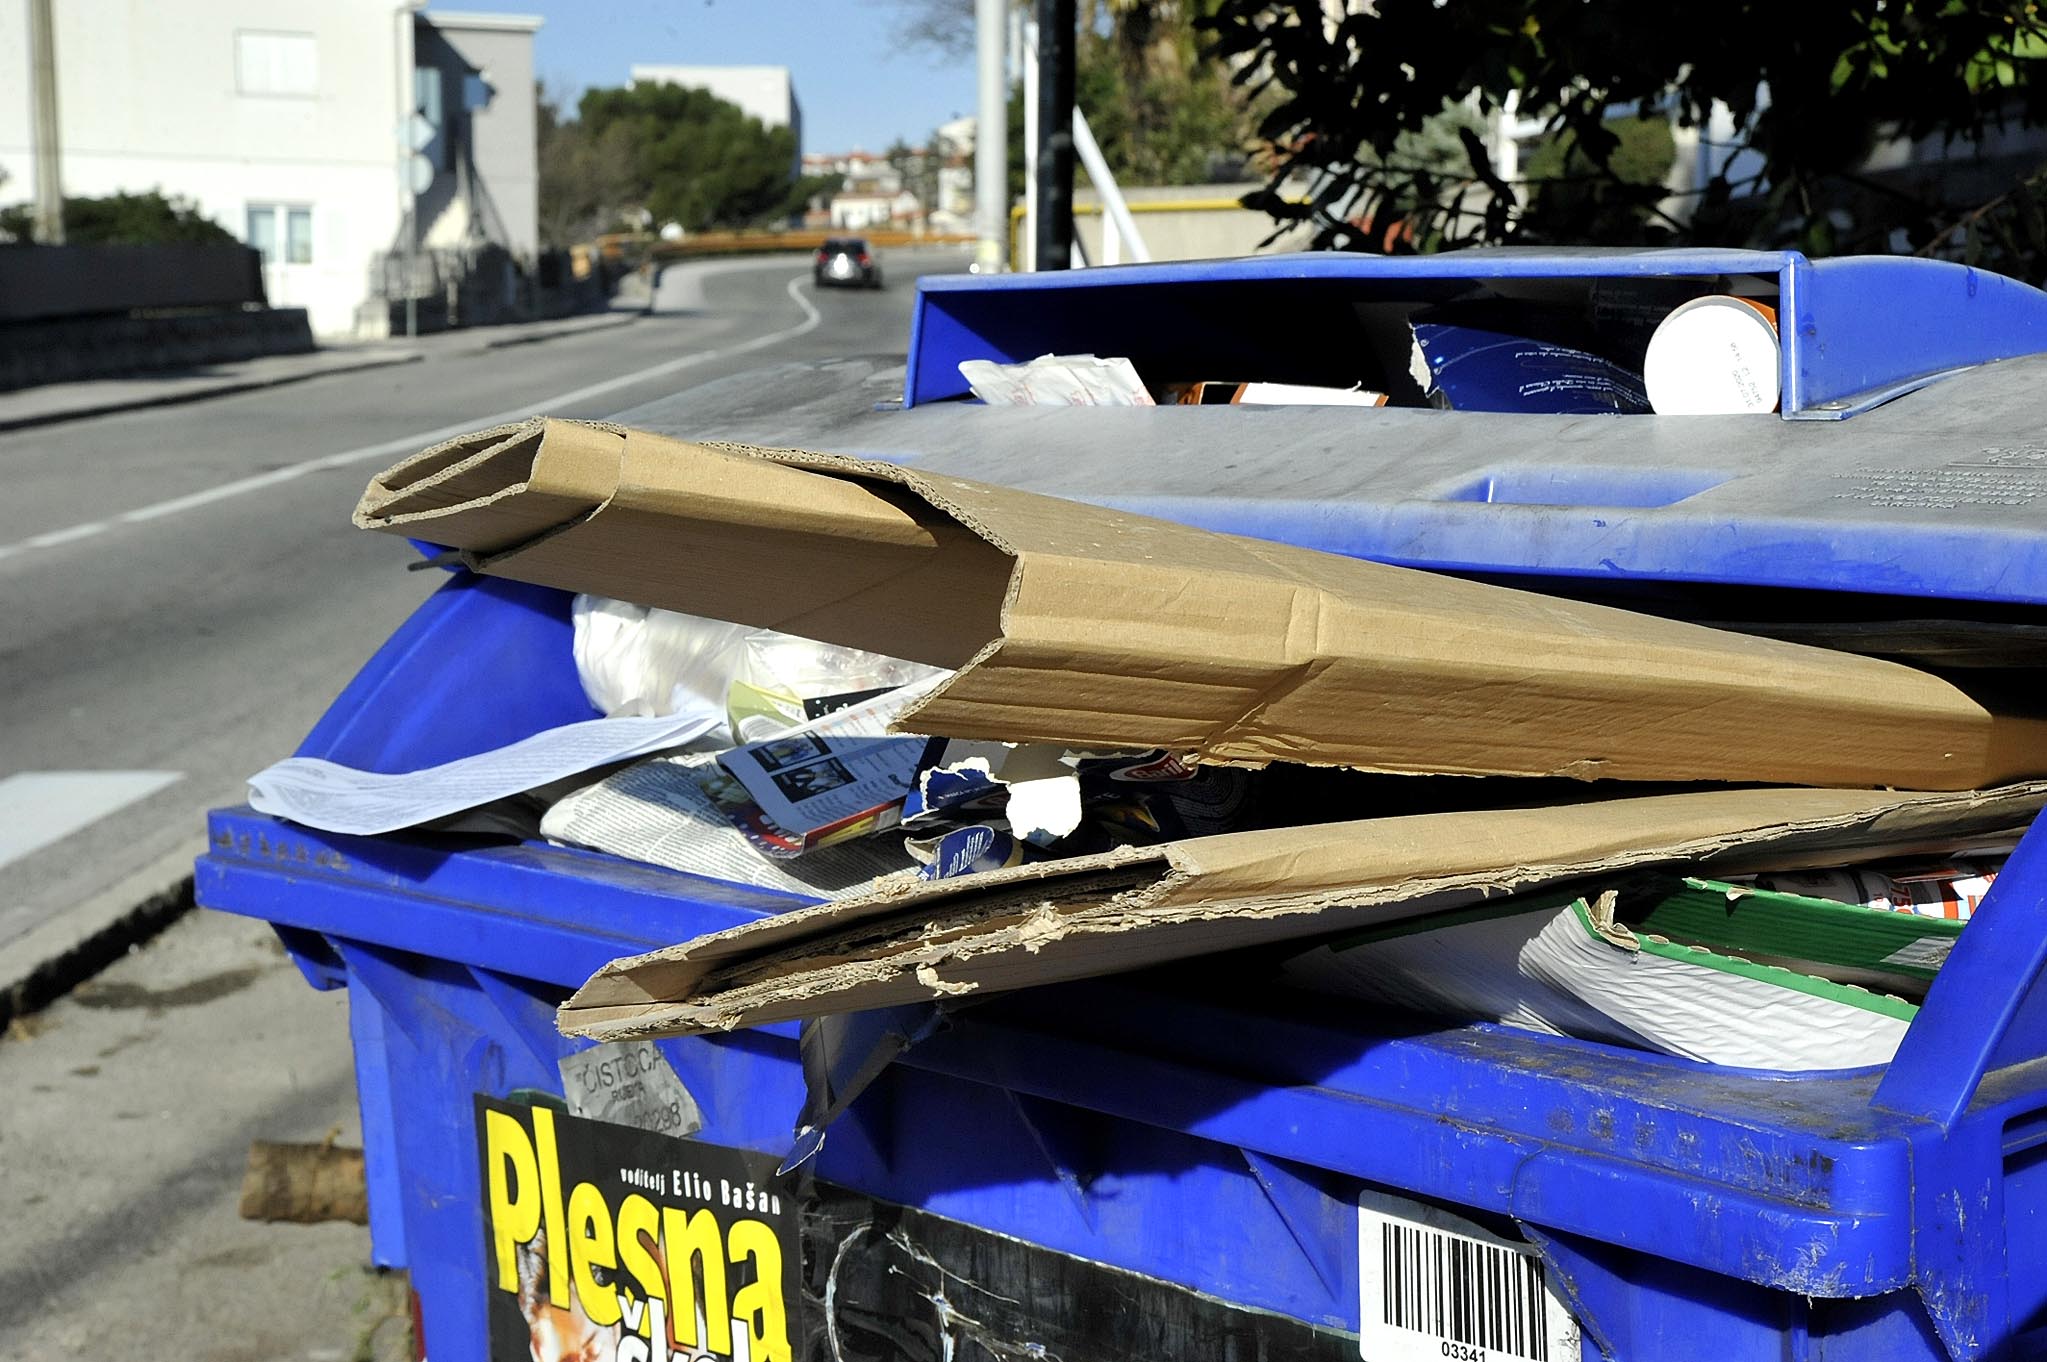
(1137, 906)
(1085, 627)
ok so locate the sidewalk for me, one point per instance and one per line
(134, 1102)
(55, 402)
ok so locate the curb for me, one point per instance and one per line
(175, 399)
(50, 960)
(535, 337)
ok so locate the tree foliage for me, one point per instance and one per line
(148, 219)
(1171, 116)
(942, 27)
(677, 154)
(918, 167)
(1162, 114)
(1809, 90)
(584, 179)
(1568, 195)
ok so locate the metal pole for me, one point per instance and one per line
(1054, 165)
(42, 44)
(1027, 59)
(408, 63)
(991, 141)
(1115, 212)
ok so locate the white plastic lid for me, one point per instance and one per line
(1713, 357)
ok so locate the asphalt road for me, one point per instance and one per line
(184, 594)
(200, 640)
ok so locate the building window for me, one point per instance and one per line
(276, 63)
(282, 232)
(427, 103)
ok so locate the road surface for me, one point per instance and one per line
(184, 596)
(184, 593)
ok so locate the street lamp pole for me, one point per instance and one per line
(1052, 166)
(42, 44)
(991, 140)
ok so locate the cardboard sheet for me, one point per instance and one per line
(1086, 627)
(1121, 910)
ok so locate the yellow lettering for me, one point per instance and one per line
(695, 1243)
(514, 1192)
(551, 1207)
(590, 1244)
(639, 1238)
(759, 1302)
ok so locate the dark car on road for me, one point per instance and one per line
(847, 260)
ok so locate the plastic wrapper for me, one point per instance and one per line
(973, 818)
(1953, 888)
(1496, 356)
(971, 850)
(633, 660)
(1057, 381)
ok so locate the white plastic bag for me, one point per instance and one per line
(634, 660)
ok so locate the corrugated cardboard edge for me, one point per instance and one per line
(1102, 914)
(491, 488)
(592, 506)
(1042, 605)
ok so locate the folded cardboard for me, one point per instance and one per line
(1086, 627)
(1136, 906)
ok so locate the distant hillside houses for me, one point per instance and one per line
(928, 188)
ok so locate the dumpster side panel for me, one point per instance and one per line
(419, 702)
(440, 1045)
(1175, 1208)
(1841, 345)
(379, 1110)
(2025, 1222)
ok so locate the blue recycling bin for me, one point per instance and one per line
(1165, 1165)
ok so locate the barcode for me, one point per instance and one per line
(1452, 1287)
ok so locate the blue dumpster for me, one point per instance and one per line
(1166, 1165)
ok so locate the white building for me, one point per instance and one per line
(953, 210)
(958, 134)
(765, 92)
(283, 121)
(855, 210)
(857, 167)
(484, 152)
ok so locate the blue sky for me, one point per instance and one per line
(855, 86)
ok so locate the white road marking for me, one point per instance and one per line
(56, 537)
(41, 807)
(406, 444)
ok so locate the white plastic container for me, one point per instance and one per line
(1714, 356)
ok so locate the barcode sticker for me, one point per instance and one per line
(1435, 1287)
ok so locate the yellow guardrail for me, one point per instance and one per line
(740, 243)
(1137, 208)
(630, 250)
